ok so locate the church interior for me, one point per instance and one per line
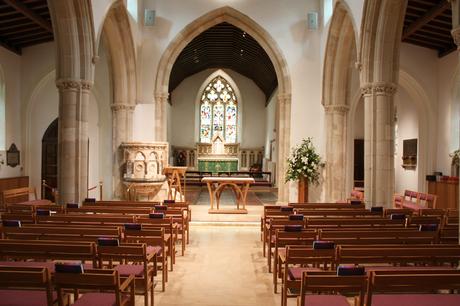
(229, 152)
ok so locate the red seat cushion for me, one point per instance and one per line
(126, 270)
(97, 298)
(328, 300)
(24, 297)
(154, 249)
(416, 299)
(296, 273)
(411, 205)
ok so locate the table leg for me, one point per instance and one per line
(211, 196)
(244, 194)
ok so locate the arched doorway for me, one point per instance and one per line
(50, 158)
(268, 44)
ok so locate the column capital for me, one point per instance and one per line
(284, 97)
(161, 96)
(118, 107)
(456, 35)
(336, 109)
(379, 89)
(73, 84)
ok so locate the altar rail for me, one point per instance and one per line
(261, 178)
(187, 157)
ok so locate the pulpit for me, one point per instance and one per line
(143, 168)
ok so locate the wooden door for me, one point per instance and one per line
(358, 173)
(50, 158)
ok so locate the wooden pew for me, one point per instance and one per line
(18, 285)
(331, 283)
(103, 280)
(269, 231)
(360, 237)
(413, 287)
(295, 260)
(46, 250)
(155, 240)
(86, 219)
(337, 213)
(64, 233)
(431, 255)
(354, 222)
(328, 205)
(133, 260)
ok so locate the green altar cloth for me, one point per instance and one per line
(217, 165)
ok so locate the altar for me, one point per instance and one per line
(218, 164)
(218, 156)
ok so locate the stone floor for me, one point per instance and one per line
(223, 266)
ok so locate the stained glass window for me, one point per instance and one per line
(218, 111)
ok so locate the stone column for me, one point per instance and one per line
(456, 26)
(283, 139)
(160, 116)
(379, 143)
(336, 127)
(122, 130)
(74, 98)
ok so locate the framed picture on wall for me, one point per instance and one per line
(12, 156)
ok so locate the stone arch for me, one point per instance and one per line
(238, 19)
(427, 126)
(381, 31)
(338, 64)
(239, 99)
(117, 35)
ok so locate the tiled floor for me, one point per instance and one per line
(223, 266)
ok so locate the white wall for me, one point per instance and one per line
(184, 114)
(408, 128)
(11, 65)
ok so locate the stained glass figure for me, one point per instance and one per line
(218, 111)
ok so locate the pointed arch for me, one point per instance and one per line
(338, 64)
(242, 21)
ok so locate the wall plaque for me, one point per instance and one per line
(12, 156)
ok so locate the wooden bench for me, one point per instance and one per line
(102, 280)
(328, 205)
(86, 219)
(354, 222)
(15, 196)
(413, 287)
(296, 259)
(133, 260)
(269, 231)
(360, 237)
(331, 284)
(20, 285)
(46, 250)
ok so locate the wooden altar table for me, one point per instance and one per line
(239, 185)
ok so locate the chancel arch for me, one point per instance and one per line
(339, 65)
(243, 22)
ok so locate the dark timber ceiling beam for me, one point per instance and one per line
(437, 10)
(30, 14)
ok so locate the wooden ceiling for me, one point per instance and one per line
(225, 46)
(24, 23)
(428, 24)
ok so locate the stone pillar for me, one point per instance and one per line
(122, 131)
(283, 139)
(160, 116)
(336, 127)
(74, 98)
(378, 143)
(456, 26)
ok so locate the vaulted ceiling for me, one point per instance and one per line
(24, 23)
(225, 46)
(428, 24)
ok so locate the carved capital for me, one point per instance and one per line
(86, 85)
(125, 107)
(284, 98)
(161, 97)
(336, 109)
(68, 84)
(456, 35)
(379, 89)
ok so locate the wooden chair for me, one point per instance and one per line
(133, 260)
(331, 283)
(156, 242)
(298, 259)
(96, 280)
(413, 287)
(25, 286)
